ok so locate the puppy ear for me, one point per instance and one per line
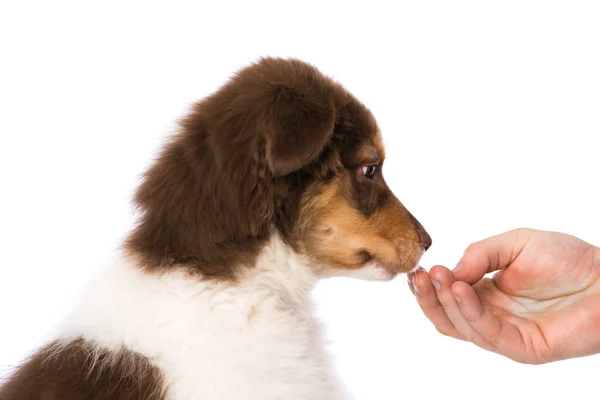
(299, 127)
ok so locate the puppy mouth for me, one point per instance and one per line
(372, 260)
(389, 269)
(391, 273)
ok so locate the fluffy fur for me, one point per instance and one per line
(274, 182)
(254, 340)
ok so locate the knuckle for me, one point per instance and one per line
(468, 338)
(523, 360)
(448, 330)
(443, 331)
(522, 230)
(473, 248)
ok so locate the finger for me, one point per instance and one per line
(411, 285)
(444, 280)
(504, 336)
(491, 254)
(431, 307)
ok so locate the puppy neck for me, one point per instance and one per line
(282, 273)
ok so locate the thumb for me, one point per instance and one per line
(491, 254)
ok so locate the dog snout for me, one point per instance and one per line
(424, 238)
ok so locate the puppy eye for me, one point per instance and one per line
(369, 171)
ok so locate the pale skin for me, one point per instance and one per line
(542, 305)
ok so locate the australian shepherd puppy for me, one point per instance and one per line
(272, 183)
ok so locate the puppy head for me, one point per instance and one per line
(350, 221)
(282, 147)
(352, 224)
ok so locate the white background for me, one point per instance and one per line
(490, 112)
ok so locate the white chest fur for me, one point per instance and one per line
(254, 340)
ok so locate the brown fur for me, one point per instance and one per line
(79, 371)
(245, 161)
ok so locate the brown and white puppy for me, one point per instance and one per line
(273, 182)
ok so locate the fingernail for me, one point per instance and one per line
(411, 286)
(457, 299)
(436, 284)
(457, 268)
(497, 275)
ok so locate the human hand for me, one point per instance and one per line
(543, 305)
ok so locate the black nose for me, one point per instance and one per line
(424, 238)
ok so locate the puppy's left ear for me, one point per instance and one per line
(299, 127)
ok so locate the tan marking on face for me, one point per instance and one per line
(336, 234)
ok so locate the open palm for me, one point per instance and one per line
(542, 305)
